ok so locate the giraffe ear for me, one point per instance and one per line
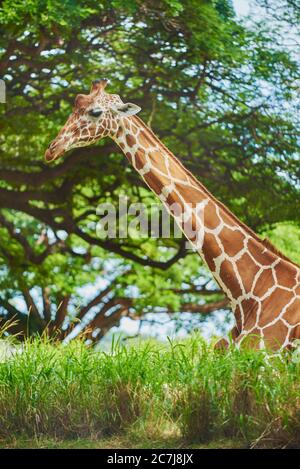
(81, 101)
(128, 109)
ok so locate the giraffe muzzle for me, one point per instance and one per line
(52, 154)
(48, 155)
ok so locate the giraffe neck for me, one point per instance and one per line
(240, 262)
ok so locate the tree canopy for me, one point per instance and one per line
(220, 93)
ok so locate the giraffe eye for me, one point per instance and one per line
(95, 112)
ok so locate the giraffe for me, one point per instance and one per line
(263, 286)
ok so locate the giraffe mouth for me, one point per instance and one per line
(52, 154)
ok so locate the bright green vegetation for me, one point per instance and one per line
(148, 395)
(287, 238)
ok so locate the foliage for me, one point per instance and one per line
(220, 94)
(150, 391)
(287, 237)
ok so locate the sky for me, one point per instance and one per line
(241, 7)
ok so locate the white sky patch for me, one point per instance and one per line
(162, 327)
(241, 7)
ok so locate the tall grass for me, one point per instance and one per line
(186, 390)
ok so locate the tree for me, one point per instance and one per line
(220, 94)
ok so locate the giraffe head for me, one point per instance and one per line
(94, 116)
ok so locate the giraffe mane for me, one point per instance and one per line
(265, 242)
